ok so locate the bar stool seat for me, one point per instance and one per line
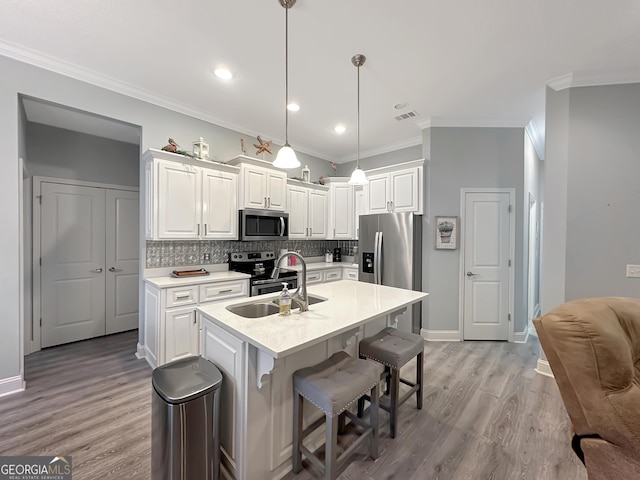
(332, 386)
(394, 349)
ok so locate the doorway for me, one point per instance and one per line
(86, 243)
(487, 273)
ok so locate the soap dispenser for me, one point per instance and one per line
(285, 300)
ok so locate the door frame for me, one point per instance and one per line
(512, 252)
(34, 344)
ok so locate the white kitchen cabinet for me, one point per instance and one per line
(172, 328)
(316, 276)
(189, 199)
(307, 207)
(340, 211)
(261, 185)
(350, 273)
(332, 274)
(395, 189)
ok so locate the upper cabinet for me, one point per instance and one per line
(340, 209)
(189, 199)
(261, 185)
(308, 208)
(395, 189)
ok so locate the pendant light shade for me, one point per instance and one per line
(286, 157)
(358, 176)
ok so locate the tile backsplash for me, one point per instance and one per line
(171, 253)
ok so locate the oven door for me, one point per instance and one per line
(263, 225)
(263, 287)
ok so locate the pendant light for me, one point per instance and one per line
(286, 157)
(358, 176)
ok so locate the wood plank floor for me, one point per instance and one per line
(486, 415)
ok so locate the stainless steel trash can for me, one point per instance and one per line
(185, 425)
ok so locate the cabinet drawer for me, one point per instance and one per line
(333, 274)
(178, 296)
(219, 291)
(350, 274)
(314, 277)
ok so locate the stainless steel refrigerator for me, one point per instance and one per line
(390, 246)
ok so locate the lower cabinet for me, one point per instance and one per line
(172, 328)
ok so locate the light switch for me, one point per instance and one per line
(633, 271)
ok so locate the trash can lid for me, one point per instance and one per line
(186, 379)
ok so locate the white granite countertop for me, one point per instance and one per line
(349, 304)
(166, 281)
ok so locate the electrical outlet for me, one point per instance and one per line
(633, 271)
(207, 257)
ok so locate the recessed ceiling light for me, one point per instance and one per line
(293, 107)
(339, 129)
(223, 73)
(400, 106)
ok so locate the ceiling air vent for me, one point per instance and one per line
(405, 116)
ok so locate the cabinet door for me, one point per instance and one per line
(276, 190)
(341, 212)
(219, 204)
(298, 211)
(254, 187)
(179, 200)
(404, 188)
(181, 334)
(378, 198)
(359, 209)
(318, 214)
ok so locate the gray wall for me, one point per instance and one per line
(470, 157)
(390, 158)
(603, 198)
(157, 125)
(60, 153)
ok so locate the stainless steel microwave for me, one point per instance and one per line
(258, 224)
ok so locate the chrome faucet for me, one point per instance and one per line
(300, 295)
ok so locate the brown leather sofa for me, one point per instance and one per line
(593, 348)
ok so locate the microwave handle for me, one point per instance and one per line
(282, 226)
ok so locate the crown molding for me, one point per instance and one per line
(594, 78)
(391, 147)
(55, 65)
(470, 122)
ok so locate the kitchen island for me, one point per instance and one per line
(257, 357)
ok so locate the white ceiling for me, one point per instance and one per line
(456, 63)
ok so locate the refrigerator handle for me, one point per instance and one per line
(375, 258)
(379, 258)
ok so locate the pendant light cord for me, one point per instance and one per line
(358, 123)
(286, 75)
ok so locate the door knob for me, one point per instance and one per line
(114, 269)
(97, 270)
(470, 274)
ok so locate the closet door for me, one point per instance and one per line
(73, 263)
(122, 252)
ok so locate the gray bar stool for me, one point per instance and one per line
(394, 349)
(332, 386)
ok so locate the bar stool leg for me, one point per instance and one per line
(297, 433)
(373, 419)
(394, 385)
(331, 447)
(419, 379)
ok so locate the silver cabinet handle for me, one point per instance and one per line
(198, 229)
(114, 269)
(97, 270)
(471, 274)
(182, 297)
(268, 202)
(310, 232)
(391, 203)
(229, 290)
(205, 229)
(265, 202)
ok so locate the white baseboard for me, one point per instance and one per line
(521, 337)
(543, 368)
(11, 385)
(140, 352)
(440, 335)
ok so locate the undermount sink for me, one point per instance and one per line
(262, 309)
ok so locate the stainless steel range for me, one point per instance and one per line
(260, 265)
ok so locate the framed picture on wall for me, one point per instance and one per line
(446, 233)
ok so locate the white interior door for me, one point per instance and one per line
(487, 250)
(122, 252)
(73, 263)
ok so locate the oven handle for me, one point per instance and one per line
(273, 280)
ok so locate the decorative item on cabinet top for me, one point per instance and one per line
(201, 149)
